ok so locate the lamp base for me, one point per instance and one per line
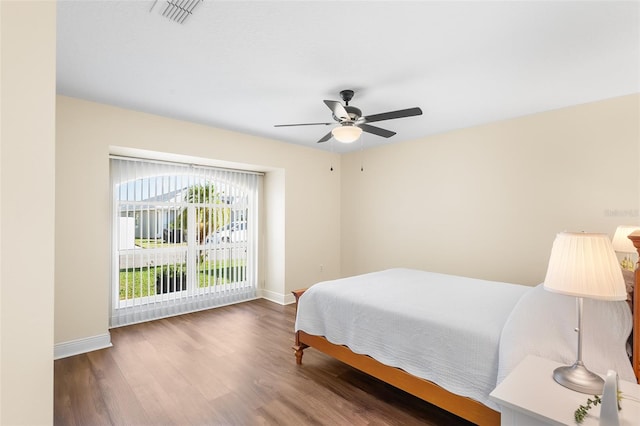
(576, 377)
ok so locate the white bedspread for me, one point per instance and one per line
(442, 328)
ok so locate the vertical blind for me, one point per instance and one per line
(184, 238)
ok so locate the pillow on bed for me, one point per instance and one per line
(542, 323)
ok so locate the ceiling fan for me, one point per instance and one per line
(352, 123)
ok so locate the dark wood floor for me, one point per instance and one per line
(227, 366)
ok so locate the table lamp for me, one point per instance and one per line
(622, 244)
(583, 265)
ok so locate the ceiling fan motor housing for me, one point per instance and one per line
(354, 114)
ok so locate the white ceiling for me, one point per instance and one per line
(245, 66)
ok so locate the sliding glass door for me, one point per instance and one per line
(184, 238)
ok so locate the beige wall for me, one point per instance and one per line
(487, 201)
(27, 197)
(301, 203)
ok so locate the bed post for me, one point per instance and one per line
(298, 347)
(635, 361)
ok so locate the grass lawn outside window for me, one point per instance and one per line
(141, 282)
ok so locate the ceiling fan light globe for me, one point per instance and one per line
(346, 134)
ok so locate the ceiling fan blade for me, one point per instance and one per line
(303, 124)
(409, 112)
(325, 138)
(338, 110)
(376, 130)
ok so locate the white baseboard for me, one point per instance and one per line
(282, 299)
(81, 346)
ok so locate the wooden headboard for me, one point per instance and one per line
(635, 237)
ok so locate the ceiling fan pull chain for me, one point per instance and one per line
(361, 155)
(331, 162)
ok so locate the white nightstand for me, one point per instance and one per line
(529, 396)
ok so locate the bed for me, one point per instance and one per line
(376, 323)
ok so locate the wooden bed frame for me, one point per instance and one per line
(464, 407)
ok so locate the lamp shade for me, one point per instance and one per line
(346, 133)
(621, 243)
(585, 265)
